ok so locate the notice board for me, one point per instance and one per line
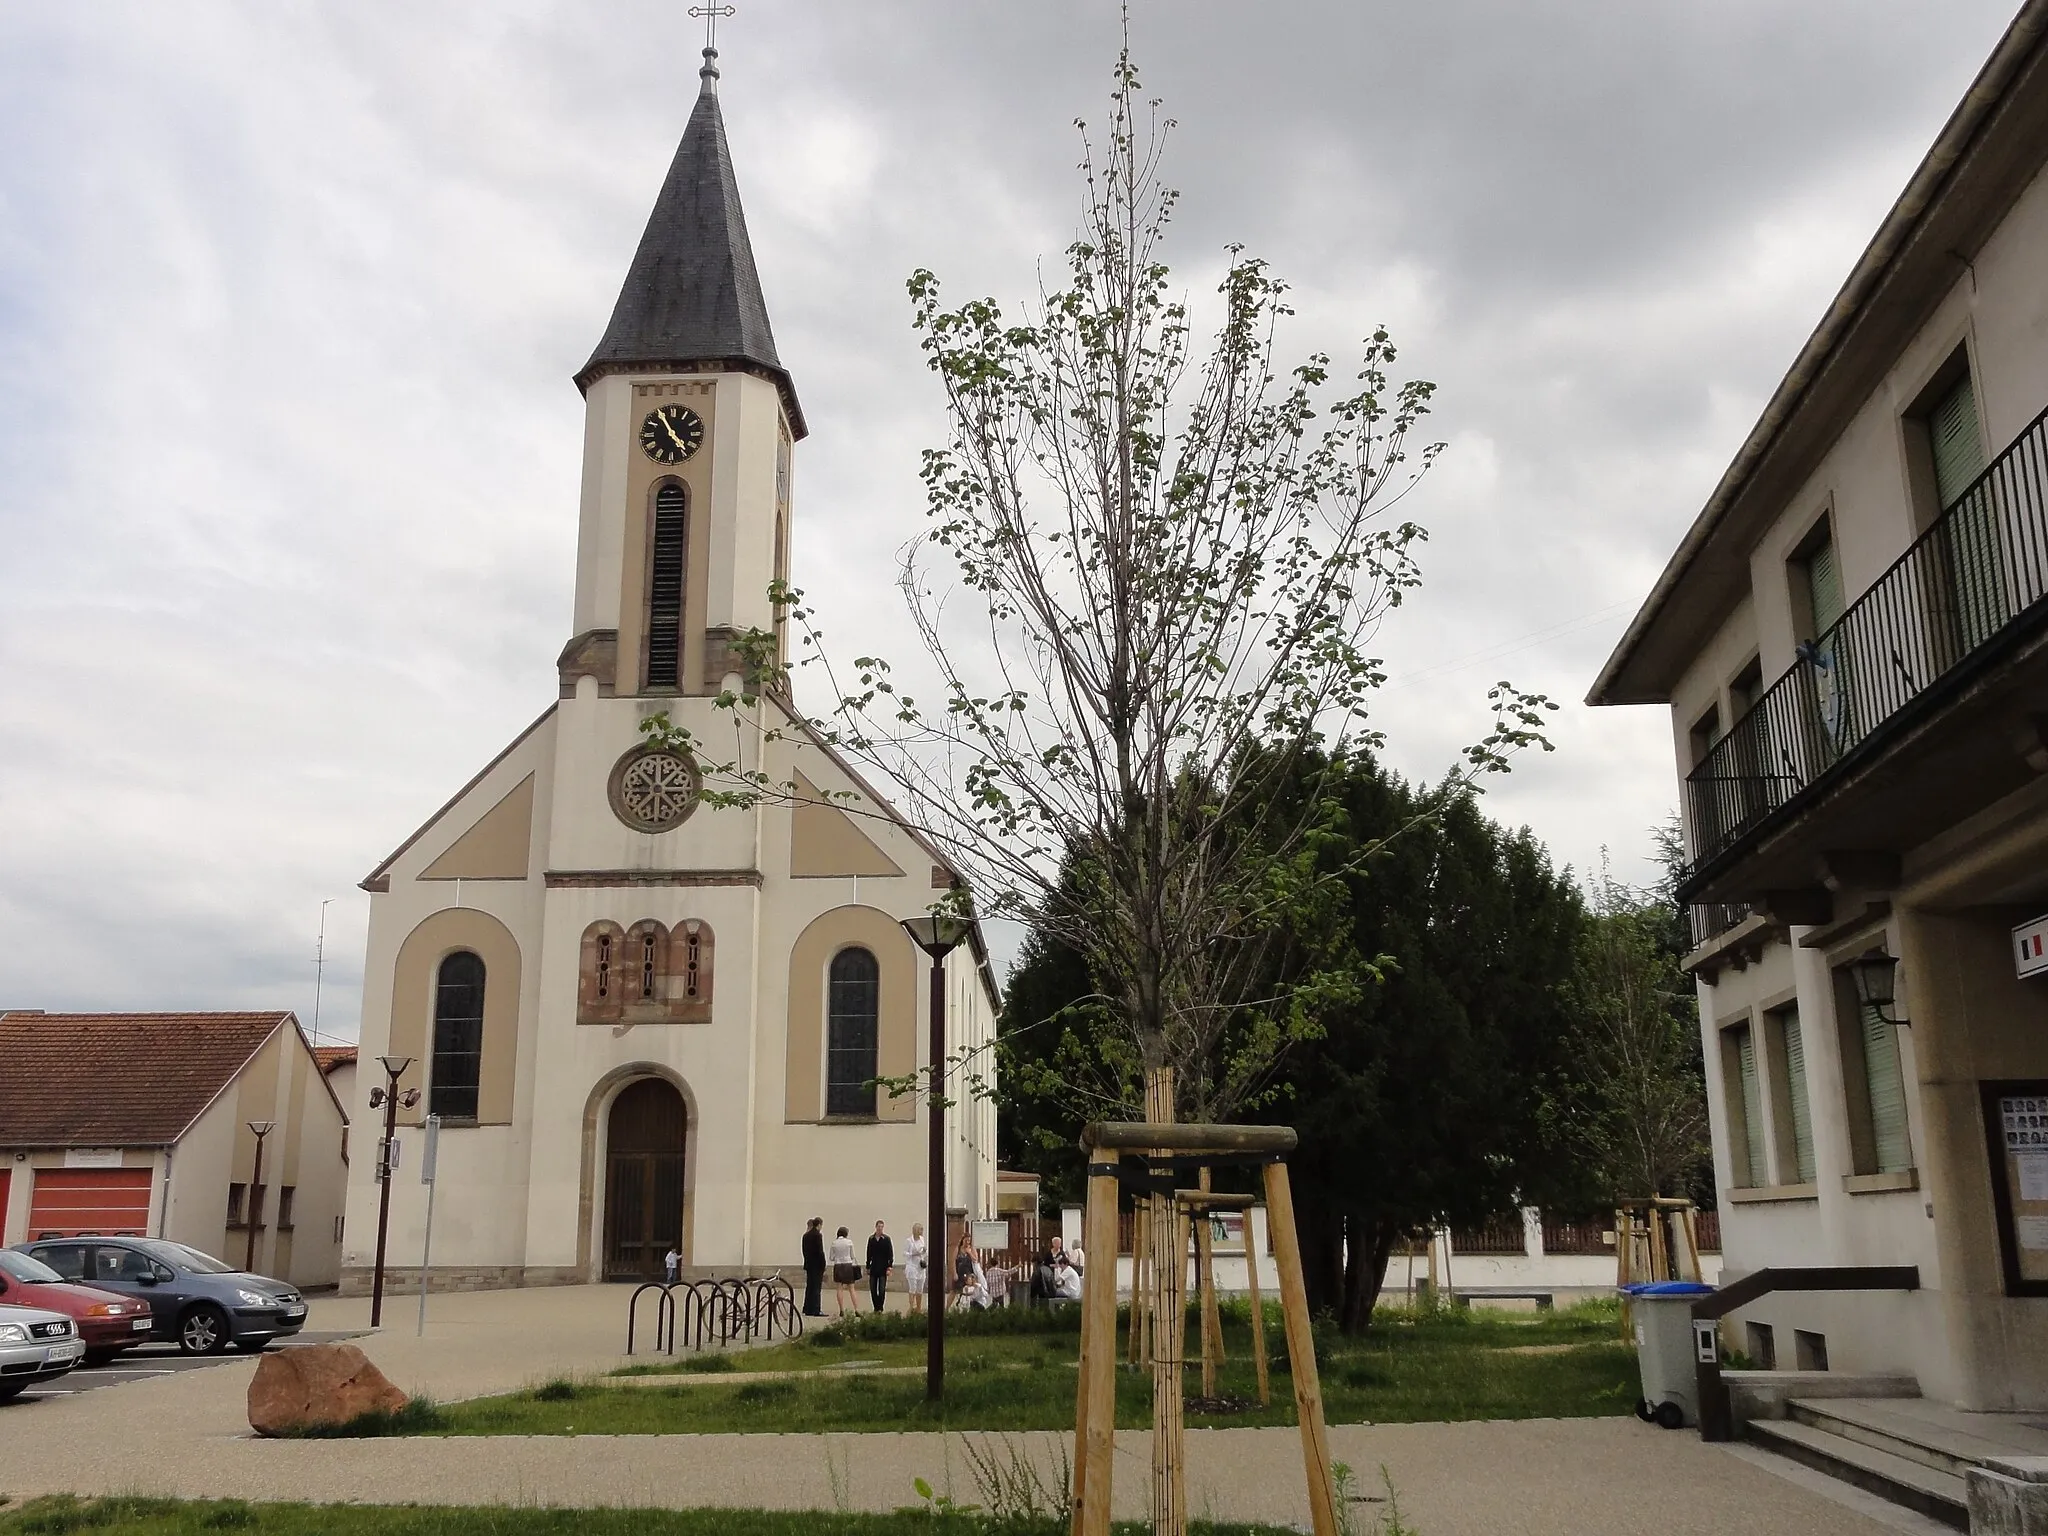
(2016, 1128)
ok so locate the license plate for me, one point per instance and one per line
(140, 1325)
(57, 1353)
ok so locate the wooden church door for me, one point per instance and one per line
(643, 1204)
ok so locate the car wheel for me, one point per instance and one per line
(12, 1389)
(251, 1346)
(203, 1331)
(98, 1356)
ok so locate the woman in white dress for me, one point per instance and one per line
(915, 1260)
(845, 1272)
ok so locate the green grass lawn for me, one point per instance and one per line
(165, 1517)
(1015, 1370)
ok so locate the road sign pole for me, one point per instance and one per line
(427, 1245)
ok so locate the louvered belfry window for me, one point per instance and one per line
(665, 590)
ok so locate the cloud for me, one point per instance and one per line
(290, 296)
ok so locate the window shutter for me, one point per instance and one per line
(1752, 1108)
(1973, 540)
(1800, 1109)
(1887, 1093)
(1958, 451)
(1824, 585)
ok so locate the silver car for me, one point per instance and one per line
(35, 1345)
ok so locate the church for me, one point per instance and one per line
(644, 1021)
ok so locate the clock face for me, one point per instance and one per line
(671, 434)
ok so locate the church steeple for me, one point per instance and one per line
(692, 296)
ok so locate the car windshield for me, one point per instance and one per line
(19, 1266)
(186, 1258)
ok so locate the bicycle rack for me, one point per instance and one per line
(741, 1309)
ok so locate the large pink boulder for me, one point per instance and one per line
(316, 1385)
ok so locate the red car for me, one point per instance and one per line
(108, 1323)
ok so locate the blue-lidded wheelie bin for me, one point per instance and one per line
(1665, 1350)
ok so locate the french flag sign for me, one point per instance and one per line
(2030, 947)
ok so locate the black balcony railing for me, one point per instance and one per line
(1717, 917)
(1978, 570)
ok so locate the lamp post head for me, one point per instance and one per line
(262, 1128)
(1876, 978)
(394, 1065)
(935, 933)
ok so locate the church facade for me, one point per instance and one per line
(646, 1022)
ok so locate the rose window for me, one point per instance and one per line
(654, 790)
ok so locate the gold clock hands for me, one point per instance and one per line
(669, 427)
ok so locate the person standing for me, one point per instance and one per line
(814, 1268)
(845, 1273)
(670, 1263)
(916, 1260)
(881, 1260)
(964, 1266)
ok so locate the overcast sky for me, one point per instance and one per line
(291, 294)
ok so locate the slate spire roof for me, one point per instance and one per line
(692, 294)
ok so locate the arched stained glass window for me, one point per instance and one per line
(852, 1028)
(458, 1037)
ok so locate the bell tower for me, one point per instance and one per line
(689, 422)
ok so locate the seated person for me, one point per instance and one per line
(973, 1290)
(1044, 1276)
(1066, 1284)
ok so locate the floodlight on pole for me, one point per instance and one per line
(937, 935)
(260, 1129)
(388, 1096)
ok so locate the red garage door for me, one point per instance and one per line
(106, 1202)
(6, 1178)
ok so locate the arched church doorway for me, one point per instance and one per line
(643, 1186)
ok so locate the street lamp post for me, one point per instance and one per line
(937, 936)
(262, 1128)
(390, 1098)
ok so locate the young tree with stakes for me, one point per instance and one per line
(1164, 563)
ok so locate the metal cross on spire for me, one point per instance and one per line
(711, 13)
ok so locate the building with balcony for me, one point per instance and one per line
(1853, 643)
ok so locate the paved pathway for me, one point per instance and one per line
(186, 1434)
(152, 1360)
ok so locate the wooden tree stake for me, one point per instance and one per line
(1251, 1276)
(1169, 1349)
(1205, 1280)
(1301, 1353)
(1095, 1395)
(1141, 1235)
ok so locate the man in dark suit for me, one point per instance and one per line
(881, 1259)
(814, 1268)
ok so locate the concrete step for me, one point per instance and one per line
(1925, 1445)
(1946, 1439)
(1902, 1480)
